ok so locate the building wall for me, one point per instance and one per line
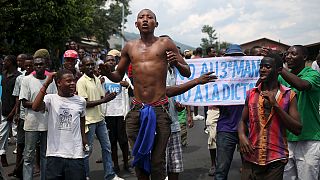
(265, 43)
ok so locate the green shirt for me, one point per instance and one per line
(308, 106)
(182, 116)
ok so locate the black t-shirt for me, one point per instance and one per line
(8, 101)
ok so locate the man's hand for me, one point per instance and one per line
(50, 78)
(245, 146)
(207, 77)
(124, 84)
(109, 96)
(172, 58)
(270, 96)
(179, 107)
(190, 122)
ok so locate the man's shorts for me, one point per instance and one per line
(211, 124)
(174, 153)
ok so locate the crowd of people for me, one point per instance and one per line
(127, 99)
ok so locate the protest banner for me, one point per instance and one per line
(235, 75)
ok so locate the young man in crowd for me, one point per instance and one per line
(149, 56)
(270, 109)
(20, 115)
(66, 127)
(227, 128)
(304, 161)
(9, 76)
(36, 124)
(70, 60)
(89, 87)
(115, 112)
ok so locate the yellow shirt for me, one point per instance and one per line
(91, 89)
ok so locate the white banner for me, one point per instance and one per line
(235, 75)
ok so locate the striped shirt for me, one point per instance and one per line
(267, 134)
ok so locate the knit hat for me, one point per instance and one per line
(42, 53)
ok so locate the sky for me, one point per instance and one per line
(235, 21)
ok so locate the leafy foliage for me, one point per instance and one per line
(212, 36)
(27, 25)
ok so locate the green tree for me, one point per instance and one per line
(26, 26)
(212, 36)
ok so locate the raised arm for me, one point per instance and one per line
(117, 75)
(295, 81)
(38, 104)
(179, 89)
(174, 58)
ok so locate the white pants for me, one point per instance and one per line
(304, 161)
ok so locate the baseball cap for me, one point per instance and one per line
(70, 54)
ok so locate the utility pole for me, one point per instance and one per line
(122, 26)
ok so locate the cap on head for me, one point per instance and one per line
(114, 52)
(234, 49)
(70, 54)
(42, 53)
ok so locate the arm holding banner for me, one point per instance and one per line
(179, 89)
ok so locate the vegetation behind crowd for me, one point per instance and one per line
(28, 25)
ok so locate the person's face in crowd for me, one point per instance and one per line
(69, 63)
(268, 71)
(294, 58)
(39, 65)
(212, 52)
(94, 53)
(6, 63)
(222, 52)
(28, 66)
(146, 21)
(111, 62)
(256, 52)
(67, 84)
(20, 61)
(81, 53)
(73, 45)
(88, 65)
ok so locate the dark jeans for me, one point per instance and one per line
(272, 171)
(63, 168)
(117, 129)
(226, 144)
(158, 157)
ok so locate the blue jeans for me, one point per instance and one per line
(31, 140)
(226, 144)
(64, 168)
(100, 129)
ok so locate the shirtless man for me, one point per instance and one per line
(149, 57)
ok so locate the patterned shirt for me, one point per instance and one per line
(267, 134)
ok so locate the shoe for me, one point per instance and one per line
(117, 178)
(99, 160)
(212, 171)
(128, 169)
(15, 151)
(199, 117)
(166, 178)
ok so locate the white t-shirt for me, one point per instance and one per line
(30, 87)
(64, 134)
(315, 66)
(120, 105)
(16, 92)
